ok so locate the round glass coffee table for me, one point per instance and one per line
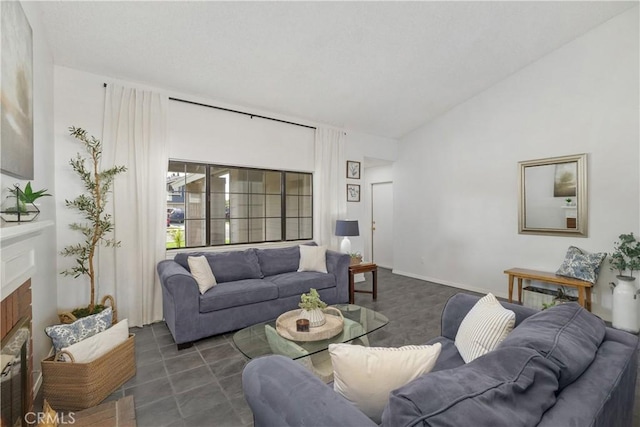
(263, 339)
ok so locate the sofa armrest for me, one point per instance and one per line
(459, 305)
(338, 265)
(281, 392)
(180, 299)
(177, 280)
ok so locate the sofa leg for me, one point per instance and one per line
(184, 345)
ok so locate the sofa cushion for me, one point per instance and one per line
(97, 345)
(567, 334)
(277, 261)
(234, 294)
(313, 258)
(227, 266)
(579, 265)
(201, 271)
(67, 334)
(366, 375)
(483, 328)
(295, 283)
(506, 387)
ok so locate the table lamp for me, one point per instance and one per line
(346, 228)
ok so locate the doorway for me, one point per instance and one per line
(382, 224)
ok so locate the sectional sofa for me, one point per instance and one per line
(558, 367)
(254, 285)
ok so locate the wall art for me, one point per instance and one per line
(353, 169)
(16, 106)
(353, 193)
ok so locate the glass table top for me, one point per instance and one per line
(263, 339)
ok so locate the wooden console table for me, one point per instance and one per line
(584, 288)
(363, 268)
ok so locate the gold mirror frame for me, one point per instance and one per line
(581, 194)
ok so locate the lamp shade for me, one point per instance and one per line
(347, 227)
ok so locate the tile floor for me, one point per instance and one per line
(201, 386)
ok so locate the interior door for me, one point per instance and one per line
(382, 224)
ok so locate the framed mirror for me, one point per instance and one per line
(553, 196)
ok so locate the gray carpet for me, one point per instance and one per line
(201, 386)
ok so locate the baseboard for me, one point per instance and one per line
(502, 294)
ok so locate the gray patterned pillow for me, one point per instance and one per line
(85, 327)
(581, 266)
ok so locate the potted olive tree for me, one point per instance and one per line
(625, 257)
(97, 224)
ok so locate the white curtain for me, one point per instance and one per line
(135, 136)
(329, 185)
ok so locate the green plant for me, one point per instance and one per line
(546, 305)
(25, 196)
(28, 195)
(568, 200)
(311, 301)
(626, 255)
(355, 254)
(91, 205)
(178, 237)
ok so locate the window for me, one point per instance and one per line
(213, 205)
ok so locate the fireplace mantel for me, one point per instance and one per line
(22, 231)
(17, 249)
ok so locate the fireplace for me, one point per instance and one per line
(15, 393)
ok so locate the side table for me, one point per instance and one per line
(364, 267)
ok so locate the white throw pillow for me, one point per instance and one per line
(201, 271)
(93, 347)
(313, 258)
(366, 375)
(483, 328)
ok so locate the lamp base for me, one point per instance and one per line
(345, 245)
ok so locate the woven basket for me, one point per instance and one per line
(67, 317)
(355, 260)
(73, 386)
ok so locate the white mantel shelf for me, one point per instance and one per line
(18, 253)
(22, 231)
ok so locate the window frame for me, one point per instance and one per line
(208, 169)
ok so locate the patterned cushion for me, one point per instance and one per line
(66, 335)
(579, 265)
(483, 328)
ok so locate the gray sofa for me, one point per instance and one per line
(558, 367)
(254, 285)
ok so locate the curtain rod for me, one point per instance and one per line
(237, 112)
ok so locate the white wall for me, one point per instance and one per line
(222, 137)
(359, 147)
(456, 177)
(43, 288)
(195, 133)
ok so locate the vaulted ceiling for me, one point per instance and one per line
(383, 68)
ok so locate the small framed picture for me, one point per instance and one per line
(353, 193)
(353, 169)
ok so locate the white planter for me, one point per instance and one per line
(315, 316)
(626, 305)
